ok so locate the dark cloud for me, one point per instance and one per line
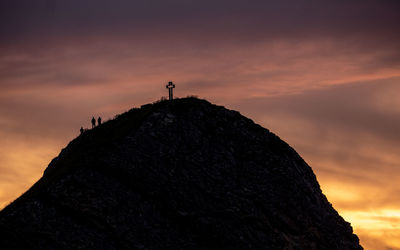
(227, 21)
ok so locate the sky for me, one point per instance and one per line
(322, 75)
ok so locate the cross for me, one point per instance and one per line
(170, 86)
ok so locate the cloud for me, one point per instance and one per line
(354, 107)
(209, 21)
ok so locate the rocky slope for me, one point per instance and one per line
(181, 174)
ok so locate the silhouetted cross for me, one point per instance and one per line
(170, 86)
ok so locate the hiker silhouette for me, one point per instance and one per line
(81, 130)
(93, 122)
(99, 121)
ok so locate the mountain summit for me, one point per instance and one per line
(180, 174)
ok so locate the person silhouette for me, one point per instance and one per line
(81, 130)
(93, 122)
(99, 121)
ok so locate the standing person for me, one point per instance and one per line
(99, 121)
(93, 122)
(81, 130)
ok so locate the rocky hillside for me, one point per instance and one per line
(181, 174)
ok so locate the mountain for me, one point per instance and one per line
(180, 174)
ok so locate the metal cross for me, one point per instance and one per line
(170, 86)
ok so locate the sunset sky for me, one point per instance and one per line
(322, 75)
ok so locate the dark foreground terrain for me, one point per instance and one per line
(181, 174)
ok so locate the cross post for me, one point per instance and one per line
(170, 86)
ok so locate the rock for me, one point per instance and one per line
(181, 174)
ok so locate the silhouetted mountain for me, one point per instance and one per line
(181, 174)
